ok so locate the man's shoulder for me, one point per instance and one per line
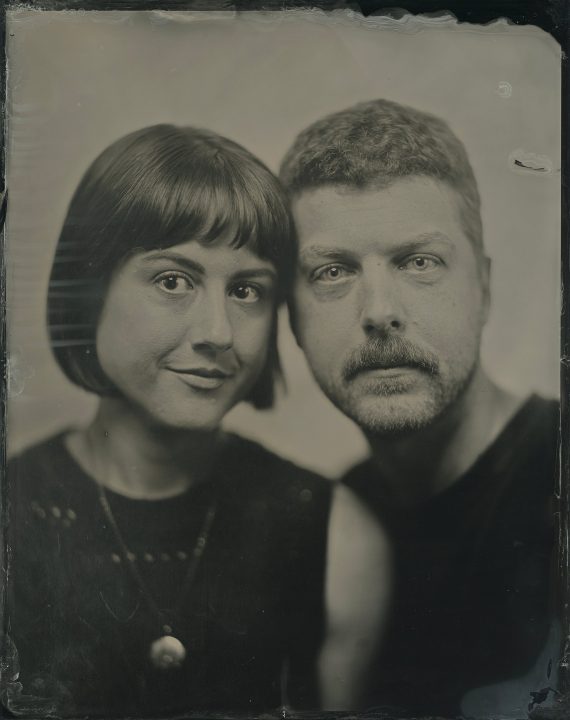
(533, 432)
(529, 453)
(539, 408)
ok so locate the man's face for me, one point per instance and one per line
(390, 300)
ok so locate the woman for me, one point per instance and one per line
(160, 565)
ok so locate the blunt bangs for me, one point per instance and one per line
(165, 185)
(156, 188)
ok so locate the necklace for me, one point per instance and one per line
(167, 651)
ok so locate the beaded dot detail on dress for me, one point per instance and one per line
(38, 510)
(163, 557)
(55, 514)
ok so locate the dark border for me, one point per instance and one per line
(3, 354)
(553, 16)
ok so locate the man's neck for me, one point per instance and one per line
(421, 464)
(131, 457)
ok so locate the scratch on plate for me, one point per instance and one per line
(17, 373)
(526, 162)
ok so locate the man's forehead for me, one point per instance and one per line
(407, 208)
(330, 248)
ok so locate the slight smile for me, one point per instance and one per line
(202, 378)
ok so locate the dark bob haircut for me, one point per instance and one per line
(156, 188)
(375, 143)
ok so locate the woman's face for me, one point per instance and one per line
(184, 331)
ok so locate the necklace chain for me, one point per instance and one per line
(131, 563)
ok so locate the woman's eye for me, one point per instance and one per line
(246, 293)
(421, 263)
(174, 283)
(331, 273)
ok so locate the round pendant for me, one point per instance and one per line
(167, 652)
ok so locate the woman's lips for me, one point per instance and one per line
(202, 378)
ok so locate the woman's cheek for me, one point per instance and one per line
(252, 340)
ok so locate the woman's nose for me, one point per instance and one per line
(381, 307)
(211, 326)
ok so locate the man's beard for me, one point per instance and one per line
(393, 405)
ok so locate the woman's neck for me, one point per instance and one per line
(125, 453)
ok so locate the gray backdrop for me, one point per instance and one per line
(79, 80)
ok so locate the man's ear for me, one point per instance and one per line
(485, 272)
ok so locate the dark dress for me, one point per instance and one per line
(251, 621)
(473, 628)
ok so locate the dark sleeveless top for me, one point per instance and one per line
(473, 628)
(79, 627)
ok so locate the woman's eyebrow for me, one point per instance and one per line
(255, 273)
(176, 258)
(196, 267)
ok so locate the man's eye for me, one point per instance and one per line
(331, 273)
(246, 293)
(174, 283)
(421, 264)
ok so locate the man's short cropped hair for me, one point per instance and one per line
(375, 143)
(156, 188)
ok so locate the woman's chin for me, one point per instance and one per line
(203, 422)
(176, 417)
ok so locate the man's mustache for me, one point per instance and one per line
(385, 353)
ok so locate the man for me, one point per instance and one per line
(389, 304)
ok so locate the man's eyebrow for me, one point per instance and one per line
(175, 258)
(321, 251)
(417, 242)
(434, 236)
(331, 253)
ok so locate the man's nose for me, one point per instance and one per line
(210, 324)
(381, 307)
